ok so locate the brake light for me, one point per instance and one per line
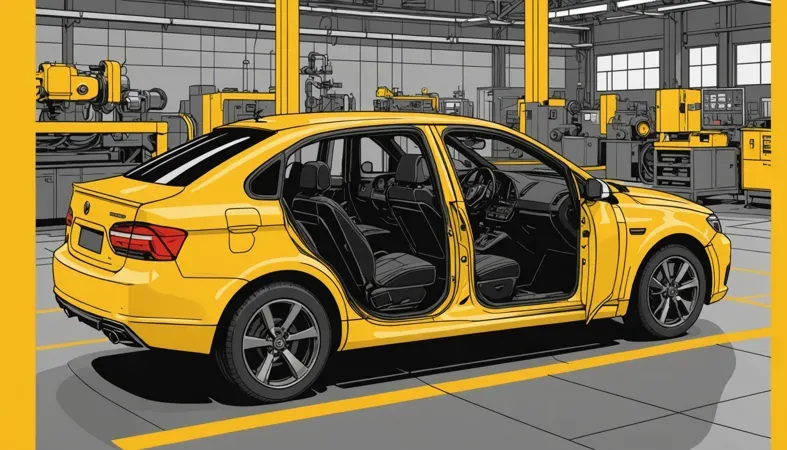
(69, 217)
(145, 241)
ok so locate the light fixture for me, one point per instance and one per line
(761, 2)
(683, 6)
(587, 10)
(627, 3)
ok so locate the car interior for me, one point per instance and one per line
(368, 206)
(526, 215)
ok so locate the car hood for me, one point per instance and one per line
(653, 197)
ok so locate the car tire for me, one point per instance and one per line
(246, 348)
(643, 317)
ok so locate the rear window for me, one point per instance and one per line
(184, 164)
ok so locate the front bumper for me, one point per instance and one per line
(145, 304)
(720, 256)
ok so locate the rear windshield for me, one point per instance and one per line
(186, 163)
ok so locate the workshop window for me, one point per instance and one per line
(557, 72)
(627, 71)
(753, 64)
(703, 67)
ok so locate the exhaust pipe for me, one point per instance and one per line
(112, 336)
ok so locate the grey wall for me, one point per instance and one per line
(722, 26)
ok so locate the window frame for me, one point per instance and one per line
(759, 63)
(702, 66)
(609, 75)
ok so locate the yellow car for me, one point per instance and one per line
(272, 243)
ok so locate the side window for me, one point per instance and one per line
(266, 183)
(373, 154)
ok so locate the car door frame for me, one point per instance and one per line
(589, 299)
(446, 195)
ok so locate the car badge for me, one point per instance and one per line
(86, 208)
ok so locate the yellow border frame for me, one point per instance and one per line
(18, 332)
(778, 240)
(18, 225)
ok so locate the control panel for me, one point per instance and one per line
(723, 109)
(501, 212)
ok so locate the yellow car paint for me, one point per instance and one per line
(234, 240)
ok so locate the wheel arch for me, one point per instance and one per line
(317, 287)
(685, 240)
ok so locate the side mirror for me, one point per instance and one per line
(462, 163)
(596, 190)
(367, 167)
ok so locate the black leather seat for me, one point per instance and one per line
(394, 281)
(495, 276)
(292, 183)
(416, 208)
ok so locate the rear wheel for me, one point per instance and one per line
(669, 294)
(276, 344)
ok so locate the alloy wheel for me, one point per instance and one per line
(281, 343)
(673, 291)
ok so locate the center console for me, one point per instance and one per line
(502, 211)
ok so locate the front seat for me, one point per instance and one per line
(393, 281)
(416, 209)
(495, 277)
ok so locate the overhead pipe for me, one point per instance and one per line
(84, 15)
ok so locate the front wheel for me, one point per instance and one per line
(276, 344)
(669, 294)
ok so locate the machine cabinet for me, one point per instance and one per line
(695, 173)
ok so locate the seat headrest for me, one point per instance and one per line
(315, 176)
(412, 169)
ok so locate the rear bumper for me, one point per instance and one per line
(145, 304)
(720, 255)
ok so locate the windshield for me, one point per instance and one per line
(470, 149)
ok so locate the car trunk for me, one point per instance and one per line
(98, 205)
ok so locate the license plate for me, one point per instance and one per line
(91, 239)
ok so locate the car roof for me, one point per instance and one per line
(342, 119)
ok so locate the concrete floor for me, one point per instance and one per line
(716, 397)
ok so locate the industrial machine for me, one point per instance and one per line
(395, 100)
(457, 105)
(694, 155)
(91, 124)
(319, 78)
(756, 170)
(627, 131)
(208, 108)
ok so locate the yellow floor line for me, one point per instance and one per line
(49, 310)
(749, 300)
(71, 344)
(222, 427)
(759, 272)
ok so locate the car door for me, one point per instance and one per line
(601, 253)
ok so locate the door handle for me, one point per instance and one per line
(238, 229)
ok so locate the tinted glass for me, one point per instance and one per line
(183, 165)
(267, 182)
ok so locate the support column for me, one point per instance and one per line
(536, 51)
(498, 66)
(67, 29)
(288, 50)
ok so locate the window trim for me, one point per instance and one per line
(259, 170)
(627, 70)
(759, 63)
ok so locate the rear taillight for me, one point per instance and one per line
(145, 241)
(69, 217)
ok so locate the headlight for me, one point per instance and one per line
(714, 222)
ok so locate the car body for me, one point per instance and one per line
(174, 259)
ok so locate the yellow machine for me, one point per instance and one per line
(694, 157)
(395, 100)
(74, 140)
(756, 170)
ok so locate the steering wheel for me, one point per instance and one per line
(478, 186)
